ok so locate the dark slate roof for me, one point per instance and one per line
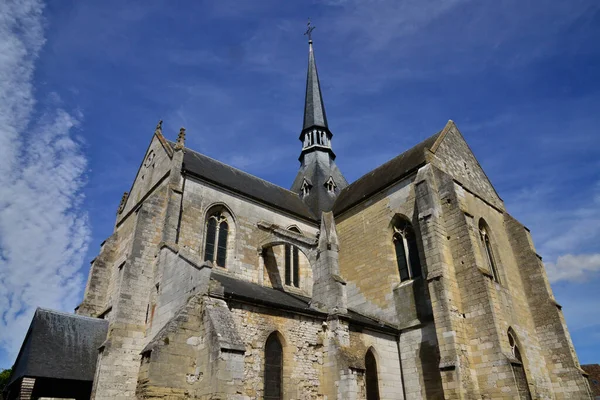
(383, 176)
(253, 293)
(61, 346)
(241, 182)
(314, 109)
(316, 168)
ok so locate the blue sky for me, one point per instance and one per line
(83, 84)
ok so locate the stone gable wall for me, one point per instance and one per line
(454, 157)
(152, 171)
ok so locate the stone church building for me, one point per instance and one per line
(413, 282)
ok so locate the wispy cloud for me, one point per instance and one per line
(576, 268)
(43, 231)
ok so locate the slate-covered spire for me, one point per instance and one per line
(314, 109)
(319, 180)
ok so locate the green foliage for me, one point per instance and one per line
(4, 375)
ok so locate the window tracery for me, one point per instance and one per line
(407, 252)
(488, 249)
(217, 232)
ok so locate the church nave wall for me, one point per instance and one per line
(243, 253)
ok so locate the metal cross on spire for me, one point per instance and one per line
(309, 30)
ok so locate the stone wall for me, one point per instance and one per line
(367, 257)
(244, 246)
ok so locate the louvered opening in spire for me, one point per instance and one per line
(314, 109)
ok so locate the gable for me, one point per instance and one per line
(453, 155)
(155, 165)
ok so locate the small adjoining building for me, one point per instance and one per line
(413, 282)
(593, 371)
(58, 357)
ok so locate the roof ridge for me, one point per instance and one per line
(237, 169)
(68, 314)
(392, 159)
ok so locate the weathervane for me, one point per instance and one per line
(309, 30)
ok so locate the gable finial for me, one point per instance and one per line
(158, 128)
(181, 139)
(309, 30)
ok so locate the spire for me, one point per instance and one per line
(319, 180)
(314, 110)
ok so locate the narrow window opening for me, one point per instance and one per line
(222, 248)
(211, 234)
(288, 265)
(295, 267)
(273, 368)
(330, 185)
(217, 232)
(407, 251)
(305, 189)
(489, 253)
(518, 369)
(292, 263)
(371, 378)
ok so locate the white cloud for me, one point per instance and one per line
(44, 234)
(576, 268)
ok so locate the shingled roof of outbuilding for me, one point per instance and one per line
(383, 176)
(60, 346)
(241, 182)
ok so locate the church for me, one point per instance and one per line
(413, 282)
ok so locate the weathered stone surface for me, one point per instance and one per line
(175, 333)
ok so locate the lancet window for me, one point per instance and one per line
(371, 378)
(292, 263)
(407, 252)
(488, 250)
(518, 368)
(217, 232)
(273, 376)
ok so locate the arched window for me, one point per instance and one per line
(407, 253)
(484, 234)
(292, 263)
(371, 379)
(217, 231)
(518, 368)
(273, 368)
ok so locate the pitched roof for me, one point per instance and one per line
(265, 296)
(61, 346)
(317, 168)
(241, 182)
(383, 176)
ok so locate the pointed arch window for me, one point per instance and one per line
(484, 234)
(305, 189)
(292, 263)
(371, 378)
(407, 252)
(518, 368)
(273, 377)
(217, 232)
(330, 185)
